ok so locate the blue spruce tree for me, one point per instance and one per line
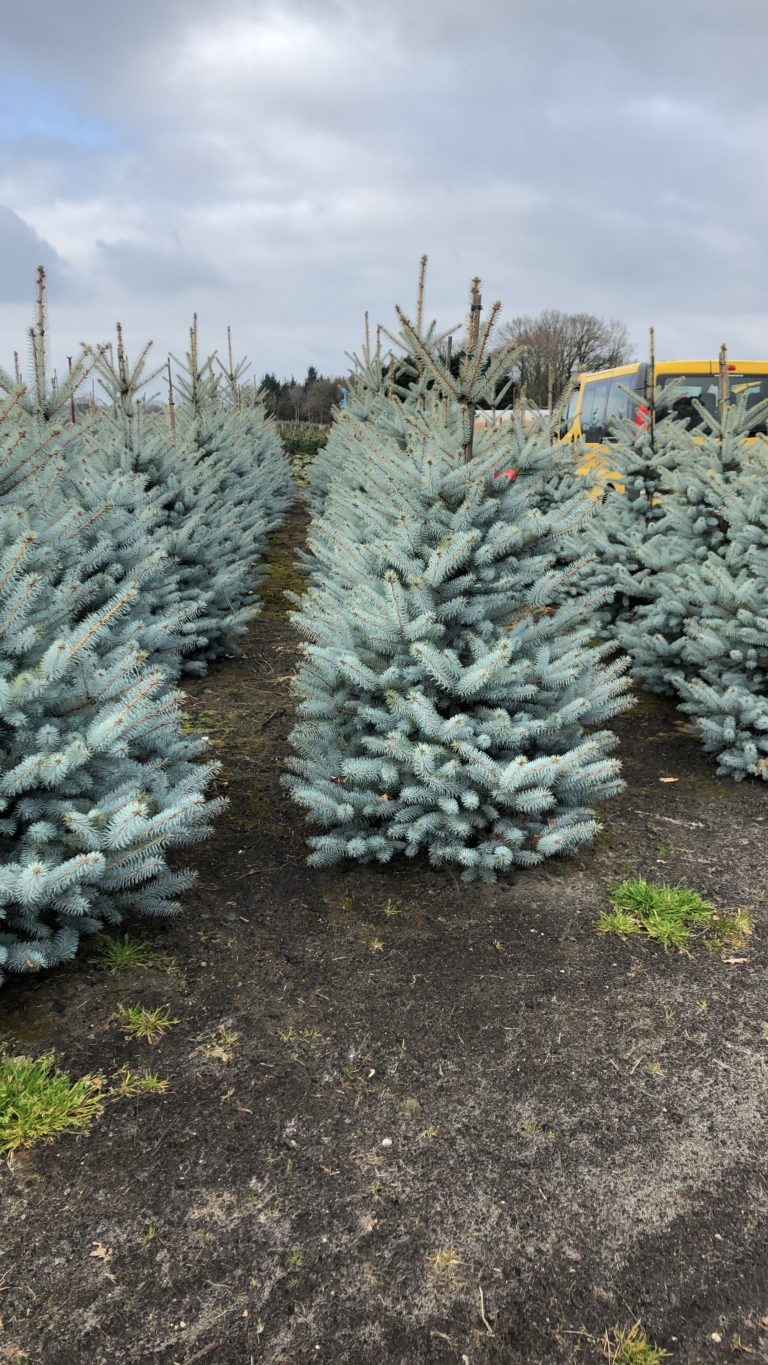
(447, 704)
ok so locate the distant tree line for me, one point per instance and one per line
(286, 399)
(312, 401)
(553, 346)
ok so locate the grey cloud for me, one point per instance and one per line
(145, 268)
(51, 167)
(21, 251)
(580, 156)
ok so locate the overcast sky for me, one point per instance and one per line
(282, 166)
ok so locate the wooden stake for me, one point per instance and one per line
(40, 341)
(722, 383)
(475, 309)
(193, 359)
(391, 375)
(171, 404)
(420, 294)
(122, 365)
(652, 385)
(473, 333)
(41, 300)
(72, 395)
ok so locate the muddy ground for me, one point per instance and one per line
(456, 1125)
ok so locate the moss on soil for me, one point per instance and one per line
(282, 576)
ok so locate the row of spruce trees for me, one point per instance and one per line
(471, 612)
(680, 548)
(473, 606)
(129, 555)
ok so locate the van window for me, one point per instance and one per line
(620, 402)
(752, 389)
(688, 389)
(593, 409)
(704, 388)
(570, 411)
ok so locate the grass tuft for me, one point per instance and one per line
(732, 931)
(672, 916)
(127, 1083)
(444, 1260)
(123, 955)
(37, 1101)
(146, 1025)
(126, 954)
(218, 1046)
(631, 1346)
(618, 922)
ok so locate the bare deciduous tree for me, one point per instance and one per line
(293, 398)
(556, 345)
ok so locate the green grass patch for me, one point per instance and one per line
(37, 1101)
(672, 916)
(126, 954)
(631, 1346)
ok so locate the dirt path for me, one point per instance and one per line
(434, 1091)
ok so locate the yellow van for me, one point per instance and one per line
(604, 395)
